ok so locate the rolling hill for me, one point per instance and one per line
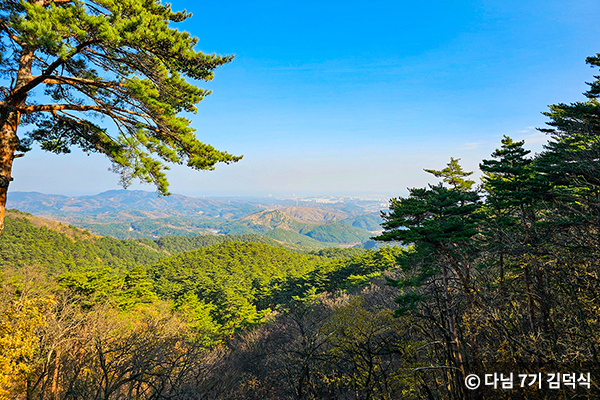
(139, 214)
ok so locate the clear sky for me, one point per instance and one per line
(356, 97)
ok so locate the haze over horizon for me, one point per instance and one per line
(336, 98)
(121, 191)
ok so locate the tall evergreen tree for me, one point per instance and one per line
(510, 186)
(570, 164)
(121, 60)
(440, 224)
(437, 220)
(510, 227)
(571, 159)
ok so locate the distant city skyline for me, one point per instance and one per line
(355, 98)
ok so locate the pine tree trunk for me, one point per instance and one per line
(54, 387)
(530, 310)
(455, 344)
(10, 117)
(9, 121)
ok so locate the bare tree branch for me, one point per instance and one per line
(72, 80)
(75, 107)
(48, 71)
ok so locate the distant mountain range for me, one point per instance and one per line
(138, 214)
(147, 204)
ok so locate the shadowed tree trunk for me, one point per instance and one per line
(8, 146)
(9, 122)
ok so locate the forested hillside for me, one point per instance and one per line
(77, 307)
(58, 248)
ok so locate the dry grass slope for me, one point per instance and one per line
(68, 230)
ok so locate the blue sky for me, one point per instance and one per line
(350, 98)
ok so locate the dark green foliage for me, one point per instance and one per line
(227, 283)
(436, 216)
(513, 191)
(336, 232)
(180, 244)
(232, 276)
(341, 274)
(439, 222)
(570, 161)
(336, 253)
(509, 177)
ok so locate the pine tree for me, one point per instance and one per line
(510, 227)
(440, 224)
(121, 60)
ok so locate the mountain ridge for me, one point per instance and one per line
(139, 214)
